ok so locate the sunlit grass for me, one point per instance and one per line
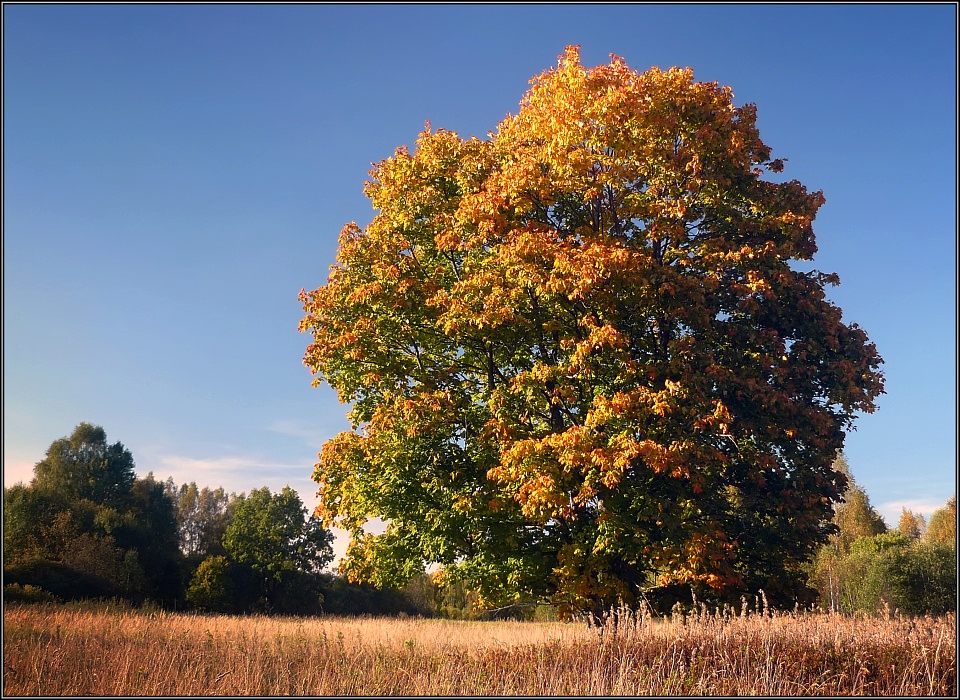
(51, 650)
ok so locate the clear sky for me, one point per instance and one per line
(175, 174)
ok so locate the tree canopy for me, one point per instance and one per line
(202, 517)
(911, 524)
(273, 557)
(83, 465)
(581, 362)
(268, 533)
(942, 528)
(87, 526)
(855, 516)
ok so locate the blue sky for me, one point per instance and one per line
(174, 175)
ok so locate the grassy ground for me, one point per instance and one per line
(58, 650)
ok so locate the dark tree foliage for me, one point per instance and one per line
(86, 517)
(86, 527)
(149, 527)
(33, 525)
(83, 465)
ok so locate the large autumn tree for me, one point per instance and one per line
(582, 365)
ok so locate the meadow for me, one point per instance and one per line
(73, 650)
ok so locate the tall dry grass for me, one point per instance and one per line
(51, 650)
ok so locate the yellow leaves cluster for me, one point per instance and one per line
(551, 475)
(341, 502)
(634, 406)
(599, 338)
(720, 418)
(705, 556)
(757, 285)
(413, 413)
(584, 577)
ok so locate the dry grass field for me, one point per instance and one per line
(57, 650)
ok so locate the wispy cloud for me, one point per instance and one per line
(237, 473)
(891, 510)
(310, 434)
(182, 463)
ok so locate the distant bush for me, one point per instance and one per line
(220, 585)
(210, 587)
(15, 593)
(343, 598)
(61, 580)
(545, 613)
(298, 593)
(924, 579)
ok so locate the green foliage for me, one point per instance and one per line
(100, 556)
(928, 580)
(85, 527)
(890, 569)
(84, 509)
(84, 466)
(864, 566)
(298, 593)
(202, 517)
(455, 599)
(421, 591)
(269, 534)
(344, 598)
(581, 359)
(15, 593)
(61, 580)
(34, 524)
(854, 517)
(273, 555)
(912, 577)
(452, 597)
(545, 613)
(215, 587)
(149, 529)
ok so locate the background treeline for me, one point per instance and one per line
(86, 527)
(867, 567)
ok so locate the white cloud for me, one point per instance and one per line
(238, 473)
(182, 463)
(891, 510)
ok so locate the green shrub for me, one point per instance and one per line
(923, 579)
(61, 580)
(890, 569)
(15, 593)
(343, 598)
(545, 613)
(221, 585)
(211, 588)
